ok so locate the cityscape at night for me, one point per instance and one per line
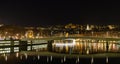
(68, 30)
(67, 41)
(59, 32)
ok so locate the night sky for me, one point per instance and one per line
(35, 13)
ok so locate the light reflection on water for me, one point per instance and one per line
(21, 57)
(78, 59)
(6, 58)
(51, 58)
(47, 59)
(37, 59)
(17, 54)
(107, 60)
(26, 55)
(64, 58)
(61, 60)
(92, 60)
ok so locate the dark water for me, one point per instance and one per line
(36, 59)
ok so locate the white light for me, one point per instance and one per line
(78, 59)
(92, 60)
(106, 59)
(26, 56)
(6, 58)
(87, 51)
(65, 44)
(60, 44)
(38, 57)
(51, 58)
(64, 58)
(17, 55)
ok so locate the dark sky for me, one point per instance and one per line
(35, 13)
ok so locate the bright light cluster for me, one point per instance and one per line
(66, 44)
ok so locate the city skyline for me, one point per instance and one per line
(59, 32)
(35, 13)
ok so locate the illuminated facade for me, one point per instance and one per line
(29, 34)
(11, 46)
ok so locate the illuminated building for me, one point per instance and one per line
(88, 28)
(29, 34)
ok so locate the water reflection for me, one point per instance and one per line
(84, 46)
(6, 58)
(37, 59)
(78, 59)
(61, 60)
(47, 59)
(51, 58)
(17, 54)
(21, 57)
(25, 55)
(64, 58)
(92, 60)
(107, 60)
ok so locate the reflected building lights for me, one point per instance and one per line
(92, 60)
(21, 57)
(51, 58)
(47, 59)
(17, 54)
(38, 57)
(6, 58)
(26, 55)
(84, 46)
(64, 58)
(107, 60)
(61, 60)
